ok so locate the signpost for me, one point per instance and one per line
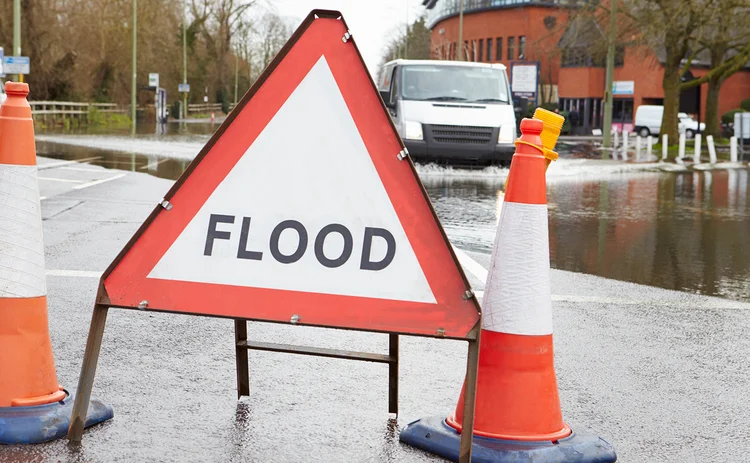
(16, 65)
(153, 79)
(525, 80)
(336, 233)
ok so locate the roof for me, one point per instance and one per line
(471, 64)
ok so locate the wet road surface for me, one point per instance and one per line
(676, 230)
(661, 374)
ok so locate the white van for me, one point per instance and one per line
(451, 110)
(648, 122)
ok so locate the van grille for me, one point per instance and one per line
(461, 134)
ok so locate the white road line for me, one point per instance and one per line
(66, 180)
(83, 169)
(152, 164)
(66, 163)
(470, 265)
(73, 273)
(98, 182)
(42, 198)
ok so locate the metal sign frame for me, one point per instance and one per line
(242, 344)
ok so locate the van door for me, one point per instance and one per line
(393, 99)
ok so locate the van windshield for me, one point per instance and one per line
(454, 83)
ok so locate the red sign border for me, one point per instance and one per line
(466, 333)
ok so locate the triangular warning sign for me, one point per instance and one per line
(300, 207)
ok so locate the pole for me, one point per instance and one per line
(184, 61)
(133, 88)
(17, 31)
(236, 75)
(461, 31)
(607, 126)
(406, 37)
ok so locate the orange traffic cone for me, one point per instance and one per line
(518, 416)
(29, 392)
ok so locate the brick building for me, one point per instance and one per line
(526, 31)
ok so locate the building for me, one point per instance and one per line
(542, 33)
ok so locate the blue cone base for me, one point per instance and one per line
(42, 423)
(435, 436)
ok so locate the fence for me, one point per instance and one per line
(204, 108)
(75, 112)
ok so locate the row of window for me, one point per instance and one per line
(487, 50)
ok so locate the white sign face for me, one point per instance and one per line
(183, 88)
(311, 217)
(153, 79)
(16, 65)
(524, 78)
(623, 87)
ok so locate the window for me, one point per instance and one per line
(465, 51)
(511, 46)
(444, 82)
(522, 47)
(480, 52)
(622, 110)
(499, 49)
(489, 50)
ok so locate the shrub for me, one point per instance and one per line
(745, 104)
(728, 117)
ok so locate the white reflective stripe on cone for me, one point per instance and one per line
(517, 296)
(21, 246)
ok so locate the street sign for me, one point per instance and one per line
(524, 80)
(301, 208)
(623, 87)
(153, 79)
(183, 88)
(16, 65)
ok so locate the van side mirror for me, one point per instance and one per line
(386, 96)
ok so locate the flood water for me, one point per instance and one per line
(687, 231)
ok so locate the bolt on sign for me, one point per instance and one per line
(305, 203)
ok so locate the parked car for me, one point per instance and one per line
(457, 112)
(648, 121)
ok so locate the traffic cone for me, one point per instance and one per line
(33, 406)
(517, 416)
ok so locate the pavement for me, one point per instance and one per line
(661, 374)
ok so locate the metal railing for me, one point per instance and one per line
(202, 108)
(72, 108)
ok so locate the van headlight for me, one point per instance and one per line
(506, 134)
(413, 130)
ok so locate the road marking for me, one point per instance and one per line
(82, 169)
(73, 273)
(98, 182)
(67, 163)
(470, 265)
(42, 198)
(66, 180)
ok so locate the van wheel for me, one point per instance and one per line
(689, 134)
(644, 132)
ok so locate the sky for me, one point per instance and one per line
(371, 21)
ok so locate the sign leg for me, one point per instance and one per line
(88, 370)
(393, 373)
(243, 374)
(467, 433)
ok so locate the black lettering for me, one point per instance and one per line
(242, 252)
(345, 253)
(214, 234)
(301, 247)
(366, 263)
